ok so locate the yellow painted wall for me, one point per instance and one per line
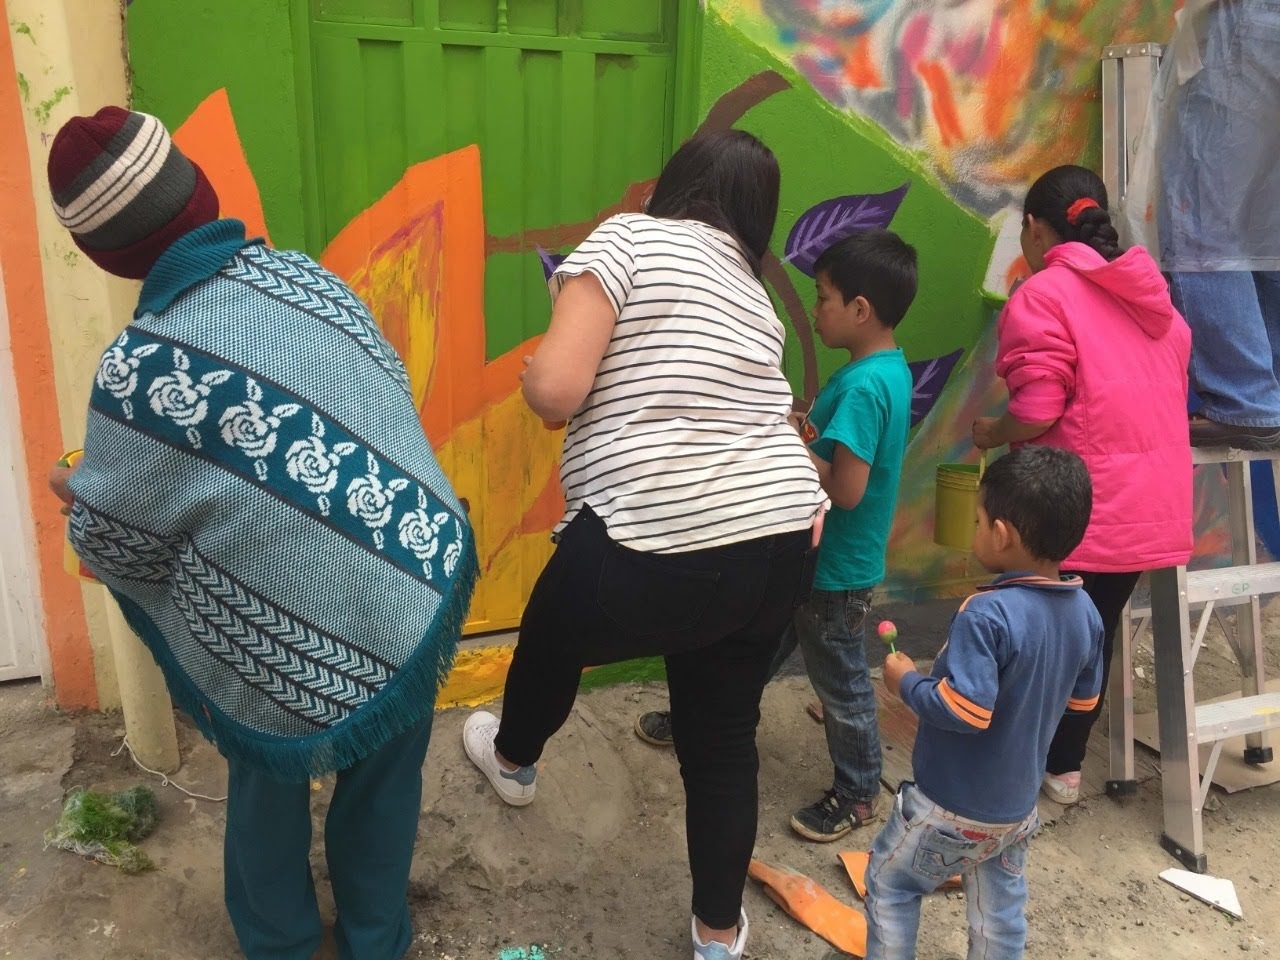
(69, 60)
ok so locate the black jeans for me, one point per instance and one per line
(716, 615)
(1109, 593)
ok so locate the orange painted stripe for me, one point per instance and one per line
(945, 113)
(860, 69)
(1083, 706)
(1011, 73)
(70, 655)
(965, 709)
(462, 383)
(209, 138)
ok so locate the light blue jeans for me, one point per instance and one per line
(1235, 347)
(830, 629)
(920, 848)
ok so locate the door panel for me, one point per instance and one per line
(570, 103)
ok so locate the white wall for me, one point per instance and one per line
(23, 652)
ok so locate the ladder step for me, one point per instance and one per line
(1144, 611)
(1230, 455)
(1233, 584)
(1235, 718)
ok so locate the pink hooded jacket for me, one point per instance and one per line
(1099, 348)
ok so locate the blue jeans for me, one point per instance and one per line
(1235, 345)
(830, 629)
(920, 848)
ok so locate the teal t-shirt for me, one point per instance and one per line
(866, 406)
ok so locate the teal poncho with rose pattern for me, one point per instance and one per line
(259, 496)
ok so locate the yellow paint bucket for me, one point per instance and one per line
(955, 506)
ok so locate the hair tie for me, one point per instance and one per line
(1079, 207)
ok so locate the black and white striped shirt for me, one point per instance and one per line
(683, 442)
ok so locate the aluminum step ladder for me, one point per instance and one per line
(1184, 725)
(1128, 77)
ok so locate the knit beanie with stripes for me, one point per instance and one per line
(124, 190)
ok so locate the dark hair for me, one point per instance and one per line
(1045, 494)
(876, 264)
(1052, 196)
(728, 180)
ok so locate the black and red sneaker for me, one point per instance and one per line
(833, 817)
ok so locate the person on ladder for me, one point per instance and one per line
(1095, 358)
(1219, 213)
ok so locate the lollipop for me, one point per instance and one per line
(888, 633)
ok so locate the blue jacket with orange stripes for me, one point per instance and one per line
(1019, 654)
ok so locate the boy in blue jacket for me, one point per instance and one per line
(1020, 653)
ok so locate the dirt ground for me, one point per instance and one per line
(596, 867)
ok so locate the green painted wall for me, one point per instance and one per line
(181, 51)
(824, 153)
(248, 47)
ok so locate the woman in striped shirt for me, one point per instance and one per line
(690, 499)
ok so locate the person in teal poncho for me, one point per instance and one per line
(258, 495)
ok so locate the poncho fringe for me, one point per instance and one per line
(397, 708)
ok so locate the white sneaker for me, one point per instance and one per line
(516, 787)
(717, 950)
(1062, 787)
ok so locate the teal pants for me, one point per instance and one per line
(369, 838)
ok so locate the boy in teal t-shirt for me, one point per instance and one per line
(866, 409)
(857, 435)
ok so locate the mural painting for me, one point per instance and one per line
(994, 92)
(930, 118)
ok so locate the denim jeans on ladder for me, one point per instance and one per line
(1235, 346)
(921, 847)
(830, 629)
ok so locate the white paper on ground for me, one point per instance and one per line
(1214, 891)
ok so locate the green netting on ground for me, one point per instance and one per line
(107, 827)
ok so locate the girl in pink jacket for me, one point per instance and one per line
(1095, 358)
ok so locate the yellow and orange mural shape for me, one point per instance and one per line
(416, 257)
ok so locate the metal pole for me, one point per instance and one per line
(1176, 711)
(1128, 76)
(1248, 643)
(1119, 692)
(144, 698)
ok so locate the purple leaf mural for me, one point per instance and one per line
(833, 220)
(550, 261)
(928, 377)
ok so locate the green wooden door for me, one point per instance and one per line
(572, 105)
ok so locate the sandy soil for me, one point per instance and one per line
(596, 867)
